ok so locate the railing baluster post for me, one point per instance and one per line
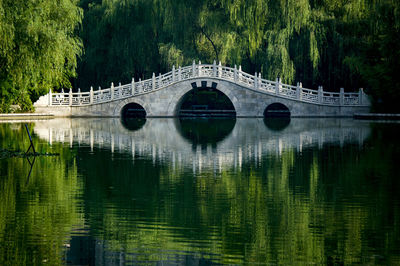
(240, 73)
(298, 92)
(64, 95)
(214, 69)
(193, 69)
(50, 96)
(153, 79)
(91, 95)
(112, 91)
(173, 73)
(259, 80)
(119, 90)
(70, 96)
(341, 95)
(133, 86)
(179, 74)
(277, 85)
(255, 81)
(200, 72)
(219, 69)
(235, 74)
(320, 93)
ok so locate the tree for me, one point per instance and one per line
(38, 48)
(334, 43)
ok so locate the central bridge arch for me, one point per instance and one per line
(205, 101)
(186, 87)
(167, 102)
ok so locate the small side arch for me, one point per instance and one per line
(276, 109)
(121, 105)
(133, 110)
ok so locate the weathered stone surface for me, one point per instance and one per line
(166, 102)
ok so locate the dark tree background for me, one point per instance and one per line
(333, 43)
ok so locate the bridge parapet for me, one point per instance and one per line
(234, 75)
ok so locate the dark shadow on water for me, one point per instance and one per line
(204, 131)
(133, 123)
(277, 123)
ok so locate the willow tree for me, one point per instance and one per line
(375, 53)
(263, 31)
(38, 48)
(334, 43)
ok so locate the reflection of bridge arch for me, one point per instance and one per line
(276, 123)
(133, 124)
(205, 131)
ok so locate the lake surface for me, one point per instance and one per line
(201, 191)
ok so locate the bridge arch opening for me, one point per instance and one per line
(133, 110)
(133, 116)
(277, 110)
(205, 102)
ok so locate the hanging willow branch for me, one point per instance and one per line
(212, 43)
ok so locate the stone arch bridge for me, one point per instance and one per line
(161, 96)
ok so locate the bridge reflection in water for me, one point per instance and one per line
(197, 143)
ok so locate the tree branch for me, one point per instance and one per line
(212, 43)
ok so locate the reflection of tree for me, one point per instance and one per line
(36, 217)
(289, 208)
(323, 205)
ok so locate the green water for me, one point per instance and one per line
(221, 191)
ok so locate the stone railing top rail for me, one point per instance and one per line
(235, 75)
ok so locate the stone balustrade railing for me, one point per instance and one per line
(236, 75)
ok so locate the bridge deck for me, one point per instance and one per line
(237, 76)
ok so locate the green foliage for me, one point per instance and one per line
(377, 60)
(333, 43)
(37, 211)
(38, 48)
(326, 204)
(320, 205)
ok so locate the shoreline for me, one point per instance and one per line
(376, 116)
(357, 116)
(25, 116)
